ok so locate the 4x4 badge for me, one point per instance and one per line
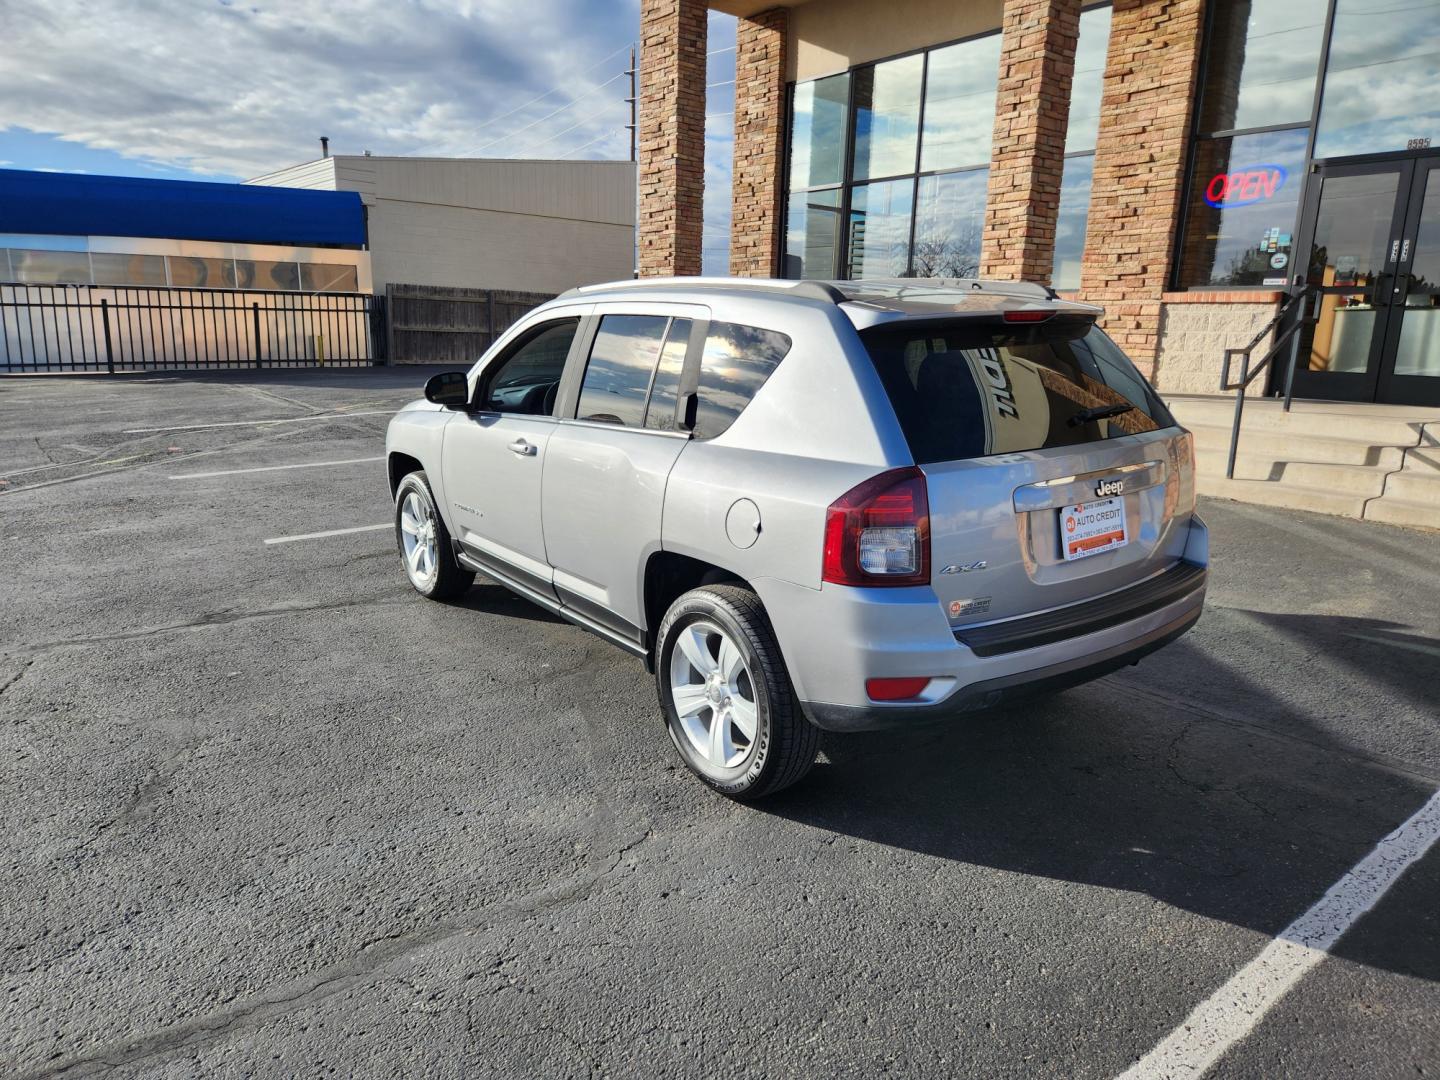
(965, 568)
(1109, 487)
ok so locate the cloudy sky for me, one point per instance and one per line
(227, 89)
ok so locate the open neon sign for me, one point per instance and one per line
(1245, 186)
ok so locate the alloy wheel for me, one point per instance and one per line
(714, 695)
(418, 537)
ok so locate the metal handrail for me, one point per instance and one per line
(1296, 307)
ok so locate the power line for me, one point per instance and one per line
(565, 131)
(586, 146)
(525, 105)
(568, 105)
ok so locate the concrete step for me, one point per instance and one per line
(1421, 488)
(1403, 512)
(1288, 496)
(1381, 425)
(1212, 445)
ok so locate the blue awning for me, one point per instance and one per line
(71, 204)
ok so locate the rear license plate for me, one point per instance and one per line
(1089, 528)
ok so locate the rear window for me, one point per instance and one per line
(965, 389)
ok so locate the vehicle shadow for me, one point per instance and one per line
(1180, 780)
(486, 596)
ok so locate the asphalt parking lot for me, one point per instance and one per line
(266, 812)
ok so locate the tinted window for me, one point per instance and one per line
(965, 390)
(529, 378)
(960, 104)
(736, 362)
(50, 267)
(328, 277)
(887, 117)
(1379, 87)
(111, 268)
(660, 414)
(622, 361)
(817, 132)
(1261, 60)
(200, 272)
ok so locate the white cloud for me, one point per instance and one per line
(244, 87)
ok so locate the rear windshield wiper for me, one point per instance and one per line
(1100, 412)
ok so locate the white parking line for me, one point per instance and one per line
(1234, 1010)
(256, 423)
(275, 468)
(328, 532)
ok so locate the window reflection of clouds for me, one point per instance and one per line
(1263, 72)
(617, 377)
(1085, 87)
(1381, 71)
(960, 87)
(735, 364)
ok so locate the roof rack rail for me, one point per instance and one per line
(813, 290)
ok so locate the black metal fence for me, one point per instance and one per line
(133, 328)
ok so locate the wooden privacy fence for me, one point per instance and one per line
(432, 324)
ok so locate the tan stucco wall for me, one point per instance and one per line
(480, 223)
(831, 35)
(1193, 340)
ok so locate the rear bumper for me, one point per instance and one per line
(1004, 690)
(835, 639)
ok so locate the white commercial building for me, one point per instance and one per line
(482, 223)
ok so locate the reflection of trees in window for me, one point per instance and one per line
(948, 251)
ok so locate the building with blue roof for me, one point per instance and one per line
(78, 229)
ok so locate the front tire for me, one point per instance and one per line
(727, 699)
(424, 542)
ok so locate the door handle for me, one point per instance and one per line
(523, 448)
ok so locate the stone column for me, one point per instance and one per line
(1140, 166)
(1032, 105)
(758, 188)
(671, 136)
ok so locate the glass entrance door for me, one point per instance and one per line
(1410, 371)
(1374, 243)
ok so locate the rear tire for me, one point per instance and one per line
(726, 695)
(424, 542)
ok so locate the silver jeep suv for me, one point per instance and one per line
(812, 505)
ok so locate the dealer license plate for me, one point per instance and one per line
(1089, 528)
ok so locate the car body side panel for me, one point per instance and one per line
(418, 431)
(603, 493)
(789, 494)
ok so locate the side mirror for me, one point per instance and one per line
(449, 388)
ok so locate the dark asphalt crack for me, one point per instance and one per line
(213, 618)
(360, 970)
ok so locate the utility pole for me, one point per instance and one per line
(632, 100)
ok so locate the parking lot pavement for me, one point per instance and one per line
(266, 812)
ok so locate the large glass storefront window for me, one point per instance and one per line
(903, 194)
(1245, 195)
(1262, 60)
(1380, 79)
(1080, 134)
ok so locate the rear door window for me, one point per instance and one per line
(734, 365)
(970, 388)
(665, 391)
(622, 363)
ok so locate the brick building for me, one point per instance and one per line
(1186, 164)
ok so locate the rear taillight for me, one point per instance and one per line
(878, 532)
(1026, 315)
